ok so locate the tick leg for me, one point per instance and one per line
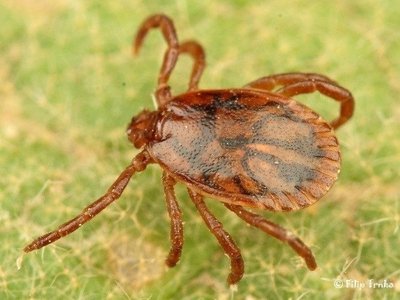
(302, 83)
(166, 25)
(193, 48)
(277, 232)
(272, 81)
(328, 89)
(196, 51)
(224, 239)
(138, 164)
(175, 215)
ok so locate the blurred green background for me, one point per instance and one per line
(68, 88)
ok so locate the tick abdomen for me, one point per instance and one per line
(248, 147)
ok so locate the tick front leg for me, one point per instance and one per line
(277, 232)
(302, 83)
(138, 164)
(175, 215)
(196, 51)
(166, 25)
(328, 89)
(224, 239)
(272, 81)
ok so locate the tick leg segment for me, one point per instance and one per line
(330, 90)
(138, 164)
(302, 83)
(224, 239)
(272, 81)
(277, 232)
(175, 215)
(166, 25)
(196, 51)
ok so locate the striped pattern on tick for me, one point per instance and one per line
(247, 147)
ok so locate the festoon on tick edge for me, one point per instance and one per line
(251, 147)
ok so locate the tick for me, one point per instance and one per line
(253, 147)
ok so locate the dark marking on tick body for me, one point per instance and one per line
(233, 143)
(231, 103)
(241, 186)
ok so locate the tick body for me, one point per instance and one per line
(249, 147)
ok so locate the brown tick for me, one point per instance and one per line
(251, 147)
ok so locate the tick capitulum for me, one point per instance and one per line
(250, 147)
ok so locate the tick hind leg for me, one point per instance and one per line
(293, 84)
(277, 232)
(138, 164)
(224, 239)
(175, 215)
